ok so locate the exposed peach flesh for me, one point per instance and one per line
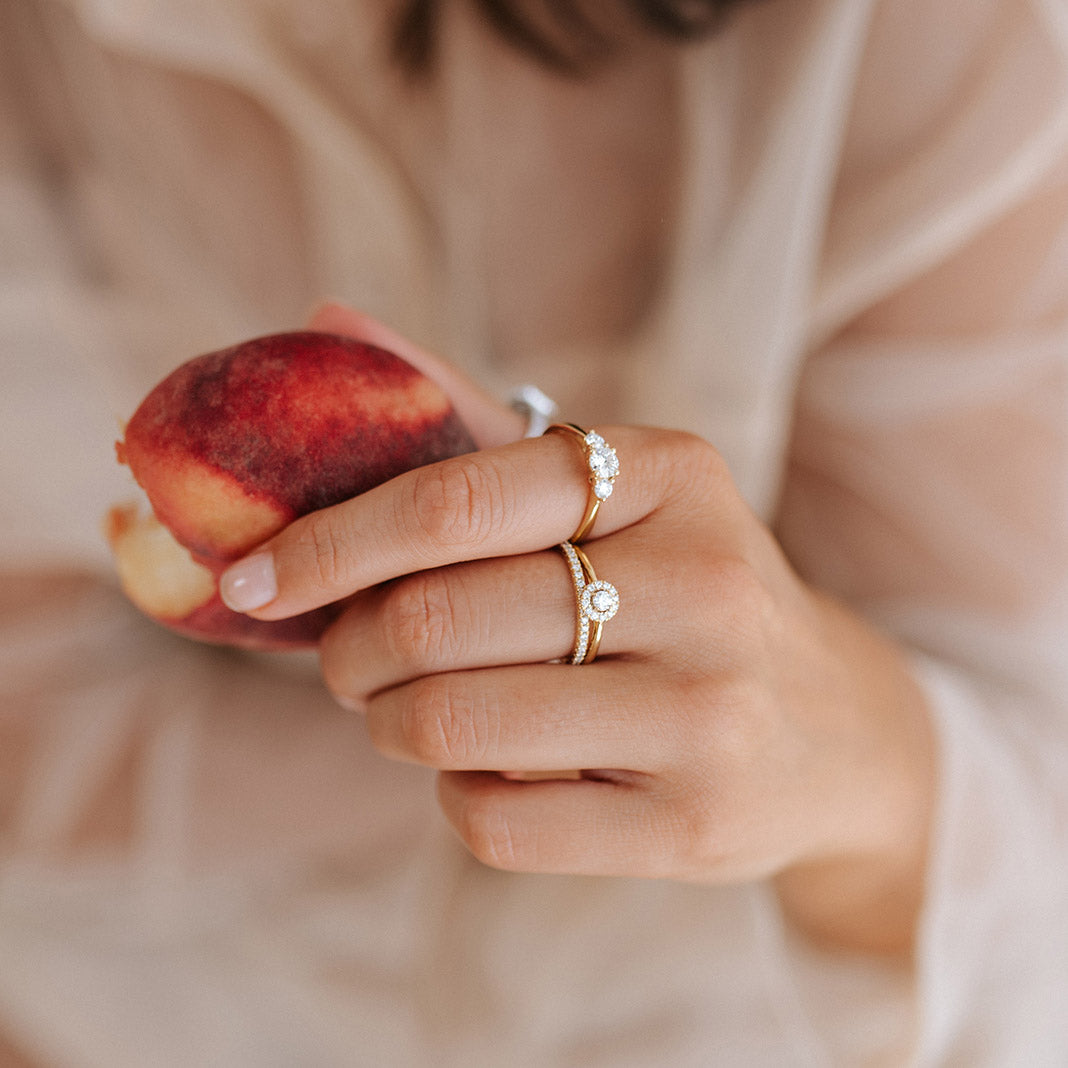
(207, 509)
(157, 573)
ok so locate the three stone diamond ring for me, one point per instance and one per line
(602, 465)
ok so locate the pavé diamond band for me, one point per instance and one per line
(596, 602)
(602, 465)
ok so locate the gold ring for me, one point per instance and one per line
(596, 602)
(602, 465)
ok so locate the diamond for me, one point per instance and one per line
(602, 489)
(594, 440)
(600, 601)
(582, 634)
(604, 462)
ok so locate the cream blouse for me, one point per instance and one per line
(833, 239)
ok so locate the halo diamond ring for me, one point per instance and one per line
(597, 602)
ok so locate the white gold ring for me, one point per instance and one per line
(536, 407)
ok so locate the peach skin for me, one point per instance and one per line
(234, 445)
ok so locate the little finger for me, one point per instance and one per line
(580, 827)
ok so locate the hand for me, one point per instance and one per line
(735, 725)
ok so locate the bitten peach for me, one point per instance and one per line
(234, 445)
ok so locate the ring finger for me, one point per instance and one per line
(527, 718)
(485, 613)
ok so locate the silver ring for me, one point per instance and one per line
(596, 602)
(538, 408)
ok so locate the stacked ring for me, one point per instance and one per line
(597, 602)
(602, 465)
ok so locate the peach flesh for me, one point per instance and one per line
(233, 445)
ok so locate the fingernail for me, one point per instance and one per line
(249, 584)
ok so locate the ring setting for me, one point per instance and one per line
(603, 463)
(599, 601)
(602, 466)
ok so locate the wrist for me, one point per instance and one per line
(864, 889)
(858, 904)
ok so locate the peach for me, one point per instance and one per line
(234, 445)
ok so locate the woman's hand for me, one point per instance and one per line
(735, 724)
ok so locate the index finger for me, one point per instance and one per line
(515, 498)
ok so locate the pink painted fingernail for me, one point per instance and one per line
(249, 584)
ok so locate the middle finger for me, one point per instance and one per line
(485, 613)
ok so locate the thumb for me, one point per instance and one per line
(489, 421)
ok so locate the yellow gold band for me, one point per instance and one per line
(602, 466)
(596, 602)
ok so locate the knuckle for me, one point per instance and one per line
(327, 542)
(703, 456)
(732, 602)
(419, 621)
(699, 820)
(747, 603)
(737, 582)
(735, 731)
(444, 728)
(699, 836)
(459, 502)
(691, 463)
(759, 723)
(725, 722)
(680, 827)
(739, 721)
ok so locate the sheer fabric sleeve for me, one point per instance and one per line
(927, 486)
(63, 321)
